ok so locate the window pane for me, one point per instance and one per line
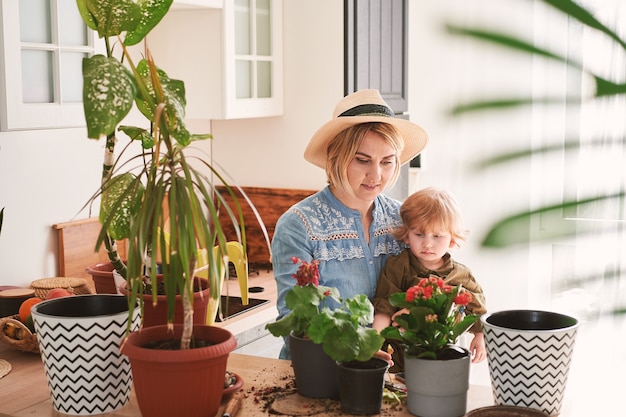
(72, 77)
(242, 27)
(35, 20)
(243, 79)
(37, 84)
(264, 79)
(72, 30)
(263, 28)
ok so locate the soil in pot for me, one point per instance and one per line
(174, 344)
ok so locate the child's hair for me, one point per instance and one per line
(429, 210)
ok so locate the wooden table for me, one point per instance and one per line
(24, 391)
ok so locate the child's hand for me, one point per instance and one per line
(385, 355)
(477, 348)
(398, 313)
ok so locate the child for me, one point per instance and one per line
(432, 224)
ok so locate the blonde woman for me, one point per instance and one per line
(348, 225)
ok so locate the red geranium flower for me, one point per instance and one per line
(307, 273)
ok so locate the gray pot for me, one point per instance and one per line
(79, 339)
(437, 388)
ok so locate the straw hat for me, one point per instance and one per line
(362, 107)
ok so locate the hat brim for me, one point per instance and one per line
(415, 138)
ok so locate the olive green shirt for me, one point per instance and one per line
(404, 271)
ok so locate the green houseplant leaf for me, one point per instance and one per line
(108, 94)
(120, 202)
(110, 18)
(152, 11)
(514, 229)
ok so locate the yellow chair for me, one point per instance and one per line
(237, 256)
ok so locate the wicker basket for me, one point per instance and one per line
(27, 341)
(74, 285)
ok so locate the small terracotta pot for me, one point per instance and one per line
(102, 275)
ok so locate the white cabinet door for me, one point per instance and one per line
(230, 59)
(42, 45)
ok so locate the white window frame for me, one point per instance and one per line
(234, 107)
(14, 113)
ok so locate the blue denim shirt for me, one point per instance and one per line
(321, 227)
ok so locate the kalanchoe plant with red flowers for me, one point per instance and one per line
(344, 332)
(434, 319)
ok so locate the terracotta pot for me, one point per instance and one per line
(102, 275)
(316, 373)
(186, 383)
(155, 315)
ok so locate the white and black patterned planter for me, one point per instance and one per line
(529, 354)
(79, 339)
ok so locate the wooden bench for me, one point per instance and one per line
(77, 247)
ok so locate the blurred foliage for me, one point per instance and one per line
(507, 231)
(515, 229)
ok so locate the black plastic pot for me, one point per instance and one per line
(361, 386)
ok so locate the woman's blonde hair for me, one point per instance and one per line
(343, 148)
(431, 210)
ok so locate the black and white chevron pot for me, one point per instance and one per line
(529, 354)
(79, 339)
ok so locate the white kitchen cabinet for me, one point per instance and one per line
(230, 58)
(42, 45)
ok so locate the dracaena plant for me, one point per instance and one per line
(157, 189)
(433, 320)
(343, 331)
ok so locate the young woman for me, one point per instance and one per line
(348, 225)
